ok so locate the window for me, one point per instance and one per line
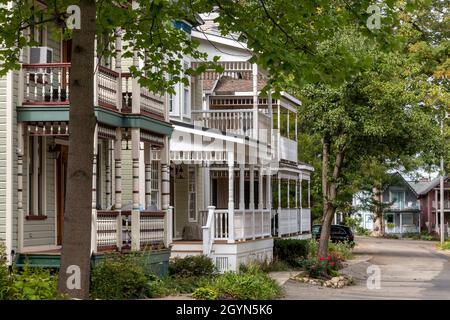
(304, 194)
(192, 194)
(36, 175)
(390, 218)
(398, 199)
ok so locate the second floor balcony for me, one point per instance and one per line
(48, 85)
(408, 205)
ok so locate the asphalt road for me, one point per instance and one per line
(409, 270)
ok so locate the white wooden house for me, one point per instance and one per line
(236, 181)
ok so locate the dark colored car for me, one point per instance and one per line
(339, 233)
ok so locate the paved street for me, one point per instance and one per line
(409, 270)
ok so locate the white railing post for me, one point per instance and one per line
(119, 231)
(208, 231)
(231, 196)
(135, 230)
(168, 226)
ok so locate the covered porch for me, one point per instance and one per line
(402, 222)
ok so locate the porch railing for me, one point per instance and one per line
(235, 121)
(403, 229)
(151, 228)
(118, 230)
(446, 204)
(292, 221)
(48, 84)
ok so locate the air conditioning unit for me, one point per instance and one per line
(40, 55)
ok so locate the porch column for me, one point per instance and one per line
(300, 202)
(309, 193)
(207, 182)
(255, 100)
(136, 88)
(148, 175)
(437, 211)
(94, 193)
(288, 206)
(20, 152)
(231, 197)
(401, 224)
(165, 175)
(279, 202)
(108, 175)
(268, 190)
(260, 199)
(118, 169)
(118, 47)
(252, 197)
(135, 213)
(242, 196)
(165, 193)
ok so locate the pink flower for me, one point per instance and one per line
(332, 263)
(322, 258)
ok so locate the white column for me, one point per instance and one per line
(118, 169)
(242, 196)
(135, 213)
(207, 182)
(255, 100)
(118, 47)
(242, 187)
(230, 197)
(268, 190)
(279, 204)
(148, 175)
(260, 189)
(269, 109)
(309, 193)
(136, 88)
(165, 175)
(288, 191)
(401, 224)
(437, 210)
(252, 197)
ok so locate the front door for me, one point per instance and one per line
(61, 178)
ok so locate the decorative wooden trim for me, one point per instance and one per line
(125, 213)
(153, 214)
(106, 248)
(36, 217)
(107, 213)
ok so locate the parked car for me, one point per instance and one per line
(339, 233)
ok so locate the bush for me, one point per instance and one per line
(290, 250)
(324, 267)
(192, 266)
(119, 277)
(342, 249)
(4, 273)
(249, 284)
(33, 284)
(390, 236)
(445, 246)
(205, 294)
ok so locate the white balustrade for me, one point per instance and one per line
(107, 81)
(108, 230)
(232, 121)
(151, 228)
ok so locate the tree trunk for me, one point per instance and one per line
(378, 208)
(329, 191)
(74, 273)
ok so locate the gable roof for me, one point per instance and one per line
(404, 181)
(428, 186)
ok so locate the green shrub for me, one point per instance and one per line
(205, 294)
(33, 284)
(289, 250)
(312, 247)
(251, 284)
(390, 236)
(445, 246)
(192, 266)
(324, 267)
(342, 249)
(4, 273)
(119, 277)
(187, 284)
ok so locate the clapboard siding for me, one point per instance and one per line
(3, 85)
(41, 232)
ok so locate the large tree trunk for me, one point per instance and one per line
(329, 193)
(378, 211)
(74, 275)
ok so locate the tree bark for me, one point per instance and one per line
(74, 275)
(329, 190)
